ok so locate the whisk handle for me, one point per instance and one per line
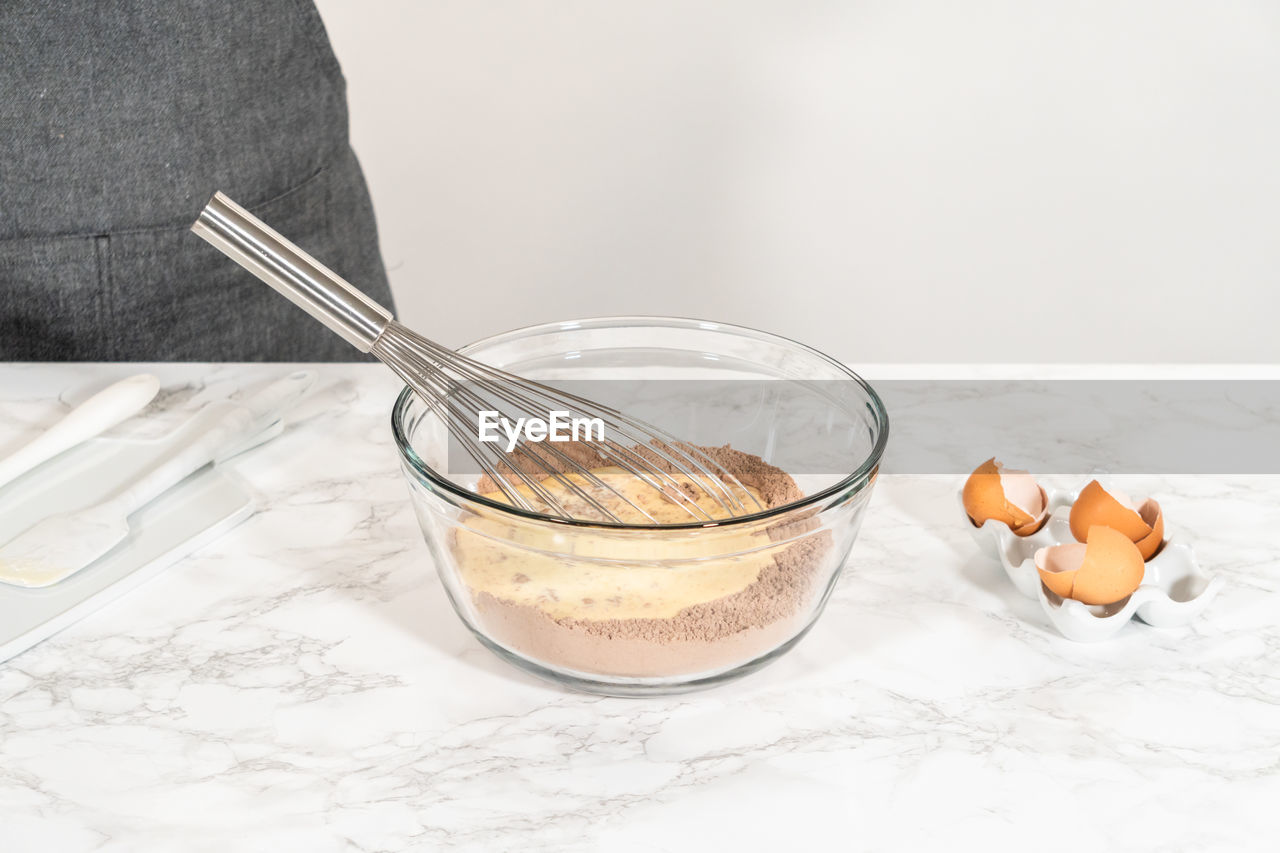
(293, 273)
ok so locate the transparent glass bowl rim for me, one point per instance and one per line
(853, 482)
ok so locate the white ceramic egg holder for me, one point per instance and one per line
(1174, 588)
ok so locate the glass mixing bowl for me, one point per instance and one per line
(632, 609)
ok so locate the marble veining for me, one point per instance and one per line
(302, 684)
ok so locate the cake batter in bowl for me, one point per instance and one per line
(657, 603)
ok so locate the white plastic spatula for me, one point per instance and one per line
(63, 544)
(91, 418)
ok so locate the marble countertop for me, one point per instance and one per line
(302, 684)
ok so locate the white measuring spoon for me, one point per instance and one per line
(91, 418)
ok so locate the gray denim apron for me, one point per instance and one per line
(118, 120)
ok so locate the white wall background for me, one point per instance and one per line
(887, 181)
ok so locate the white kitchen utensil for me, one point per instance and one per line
(62, 544)
(91, 418)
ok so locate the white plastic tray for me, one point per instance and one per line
(1174, 588)
(182, 520)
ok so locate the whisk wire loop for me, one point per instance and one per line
(443, 391)
(651, 438)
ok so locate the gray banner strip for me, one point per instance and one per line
(948, 426)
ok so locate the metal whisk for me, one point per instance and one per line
(458, 389)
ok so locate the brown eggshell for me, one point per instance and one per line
(1105, 570)
(1036, 523)
(984, 498)
(1144, 527)
(1097, 506)
(1112, 568)
(1058, 566)
(1152, 515)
